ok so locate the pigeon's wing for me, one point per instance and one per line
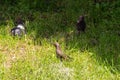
(18, 32)
(12, 32)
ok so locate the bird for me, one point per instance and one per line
(59, 52)
(16, 31)
(81, 24)
(19, 29)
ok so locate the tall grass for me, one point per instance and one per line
(95, 53)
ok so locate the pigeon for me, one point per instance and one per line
(81, 24)
(19, 29)
(16, 31)
(59, 52)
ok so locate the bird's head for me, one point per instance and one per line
(56, 44)
(19, 20)
(81, 17)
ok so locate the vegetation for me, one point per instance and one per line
(95, 53)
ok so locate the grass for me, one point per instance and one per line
(95, 53)
(25, 60)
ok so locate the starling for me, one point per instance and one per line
(59, 52)
(81, 25)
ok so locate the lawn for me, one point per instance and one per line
(95, 53)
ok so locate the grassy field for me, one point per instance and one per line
(95, 53)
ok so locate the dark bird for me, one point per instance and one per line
(81, 24)
(19, 29)
(59, 53)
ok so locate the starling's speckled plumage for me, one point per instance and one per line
(81, 25)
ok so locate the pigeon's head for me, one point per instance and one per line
(56, 44)
(19, 20)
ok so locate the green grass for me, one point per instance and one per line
(95, 53)
(25, 60)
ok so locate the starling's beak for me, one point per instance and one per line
(54, 44)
